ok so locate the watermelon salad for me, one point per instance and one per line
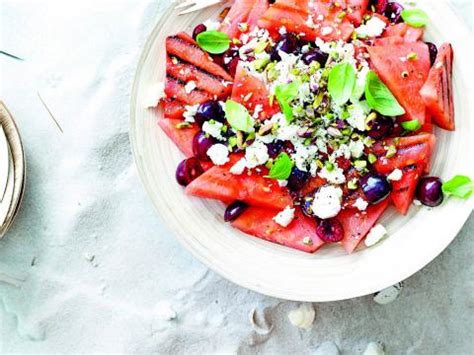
(308, 118)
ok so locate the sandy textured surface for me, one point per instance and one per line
(89, 267)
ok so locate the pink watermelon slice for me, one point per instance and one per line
(250, 92)
(183, 138)
(238, 13)
(404, 77)
(403, 191)
(357, 224)
(300, 233)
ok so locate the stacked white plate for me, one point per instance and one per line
(12, 169)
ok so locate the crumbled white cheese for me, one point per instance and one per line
(303, 316)
(335, 176)
(218, 153)
(361, 204)
(239, 167)
(214, 129)
(417, 203)
(285, 217)
(303, 155)
(375, 235)
(395, 175)
(282, 30)
(256, 112)
(256, 154)
(327, 202)
(282, 183)
(389, 294)
(326, 30)
(154, 94)
(189, 87)
(356, 148)
(190, 112)
(372, 28)
(212, 25)
(358, 112)
(374, 348)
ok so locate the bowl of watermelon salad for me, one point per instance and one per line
(315, 124)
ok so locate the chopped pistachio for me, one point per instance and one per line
(183, 125)
(329, 166)
(259, 64)
(319, 163)
(341, 14)
(352, 184)
(391, 151)
(371, 158)
(360, 164)
(260, 47)
(317, 100)
(412, 56)
(370, 118)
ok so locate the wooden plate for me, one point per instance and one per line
(274, 270)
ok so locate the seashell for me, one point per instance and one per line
(303, 316)
(259, 323)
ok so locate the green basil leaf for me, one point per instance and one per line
(214, 42)
(415, 17)
(341, 82)
(281, 168)
(380, 98)
(413, 125)
(285, 93)
(238, 117)
(459, 186)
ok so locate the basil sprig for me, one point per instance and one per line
(214, 42)
(415, 17)
(285, 93)
(238, 117)
(281, 168)
(341, 82)
(460, 186)
(413, 125)
(380, 98)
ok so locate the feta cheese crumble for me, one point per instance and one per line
(190, 112)
(395, 175)
(212, 25)
(372, 28)
(155, 93)
(335, 176)
(189, 87)
(327, 202)
(361, 204)
(375, 235)
(358, 112)
(218, 153)
(239, 167)
(214, 129)
(285, 217)
(256, 154)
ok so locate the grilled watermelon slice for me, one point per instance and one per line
(183, 138)
(356, 9)
(259, 222)
(250, 92)
(258, 10)
(410, 150)
(219, 184)
(391, 63)
(238, 13)
(357, 224)
(176, 89)
(295, 15)
(437, 93)
(182, 46)
(173, 109)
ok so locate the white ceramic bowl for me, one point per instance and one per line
(275, 270)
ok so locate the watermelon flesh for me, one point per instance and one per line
(258, 10)
(356, 9)
(183, 138)
(250, 92)
(300, 233)
(437, 92)
(390, 62)
(176, 89)
(218, 183)
(173, 108)
(357, 224)
(238, 13)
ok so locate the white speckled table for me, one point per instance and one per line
(88, 266)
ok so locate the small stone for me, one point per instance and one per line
(374, 348)
(303, 316)
(327, 348)
(389, 294)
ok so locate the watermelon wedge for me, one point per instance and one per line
(300, 233)
(295, 15)
(403, 191)
(356, 9)
(402, 76)
(250, 92)
(238, 13)
(176, 89)
(204, 81)
(219, 184)
(437, 93)
(357, 224)
(410, 150)
(183, 138)
(258, 10)
(182, 46)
